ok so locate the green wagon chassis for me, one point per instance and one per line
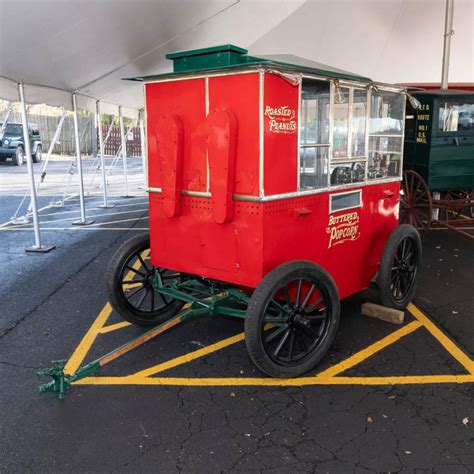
(201, 300)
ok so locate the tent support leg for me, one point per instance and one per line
(83, 221)
(105, 204)
(5, 120)
(29, 161)
(124, 151)
(143, 147)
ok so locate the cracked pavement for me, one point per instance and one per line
(50, 301)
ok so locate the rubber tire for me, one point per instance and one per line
(385, 268)
(124, 252)
(254, 314)
(35, 156)
(15, 157)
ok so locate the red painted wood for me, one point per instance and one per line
(280, 135)
(169, 139)
(221, 152)
(240, 94)
(259, 235)
(186, 99)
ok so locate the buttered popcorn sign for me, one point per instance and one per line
(343, 228)
(281, 119)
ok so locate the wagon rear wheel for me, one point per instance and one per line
(398, 270)
(130, 285)
(416, 207)
(292, 319)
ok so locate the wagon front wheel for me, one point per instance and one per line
(399, 266)
(292, 319)
(130, 280)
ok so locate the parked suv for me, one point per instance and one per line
(12, 144)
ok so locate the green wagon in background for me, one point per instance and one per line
(438, 178)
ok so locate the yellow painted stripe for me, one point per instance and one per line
(184, 359)
(254, 381)
(364, 354)
(444, 340)
(114, 327)
(83, 348)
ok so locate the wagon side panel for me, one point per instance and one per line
(280, 134)
(240, 95)
(347, 243)
(184, 99)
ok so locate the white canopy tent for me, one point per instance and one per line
(74, 53)
(61, 46)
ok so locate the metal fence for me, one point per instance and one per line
(87, 130)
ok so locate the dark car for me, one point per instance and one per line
(12, 144)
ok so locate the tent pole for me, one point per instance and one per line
(29, 161)
(82, 220)
(56, 135)
(5, 120)
(105, 205)
(448, 32)
(143, 147)
(124, 151)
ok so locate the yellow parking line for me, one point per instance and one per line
(184, 359)
(114, 327)
(255, 381)
(444, 340)
(84, 346)
(364, 354)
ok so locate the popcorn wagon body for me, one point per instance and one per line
(279, 174)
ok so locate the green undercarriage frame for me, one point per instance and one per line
(200, 298)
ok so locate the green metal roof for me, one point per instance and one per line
(228, 56)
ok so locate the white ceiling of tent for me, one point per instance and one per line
(89, 45)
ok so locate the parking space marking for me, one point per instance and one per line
(369, 351)
(184, 359)
(84, 346)
(330, 376)
(444, 340)
(114, 327)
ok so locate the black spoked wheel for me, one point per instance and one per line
(130, 284)
(398, 271)
(292, 319)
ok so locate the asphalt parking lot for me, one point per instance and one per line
(386, 399)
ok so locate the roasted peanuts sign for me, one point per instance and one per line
(343, 228)
(281, 119)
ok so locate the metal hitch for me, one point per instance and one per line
(198, 303)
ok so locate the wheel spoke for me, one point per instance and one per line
(135, 270)
(275, 334)
(134, 292)
(298, 292)
(282, 342)
(142, 299)
(128, 282)
(308, 296)
(144, 265)
(291, 345)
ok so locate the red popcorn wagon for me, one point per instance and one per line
(274, 186)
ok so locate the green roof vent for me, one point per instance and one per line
(205, 58)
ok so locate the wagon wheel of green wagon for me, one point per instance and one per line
(416, 207)
(130, 285)
(449, 210)
(292, 319)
